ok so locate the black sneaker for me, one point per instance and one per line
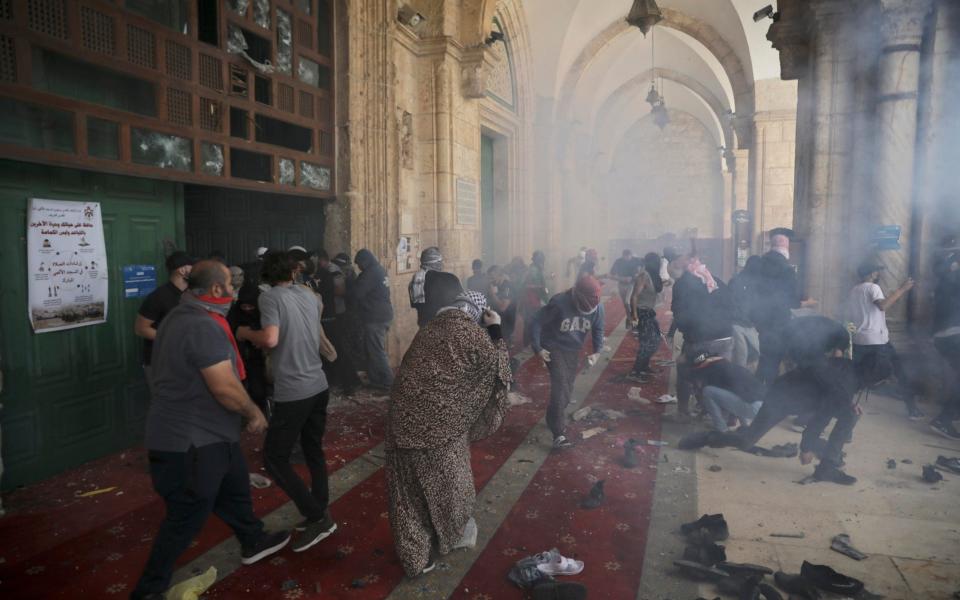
(829, 580)
(270, 543)
(796, 585)
(708, 528)
(950, 464)
(314, 533)
(825, 472)
(947, 430)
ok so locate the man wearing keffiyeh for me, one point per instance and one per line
(430, 261)
(451, 390)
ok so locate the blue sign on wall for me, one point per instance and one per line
(887, 237)
(139, 280)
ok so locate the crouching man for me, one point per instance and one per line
(193, 430)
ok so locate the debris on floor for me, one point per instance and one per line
(517, 399)
(931, 474)
(95, 492)
(594, 497)
(193, 588)
(259, 481)
(797, 536)
(667, 399)
(714, 468)
(589, 433)
(596, 413)
(658, 443)
(635, 394)
(841, 543)
(289, 584)
(891, 464)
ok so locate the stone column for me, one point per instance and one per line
(938, 138)
(818, 216)
(901, 29)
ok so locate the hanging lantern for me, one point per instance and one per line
(660, 115)
(644, 15)
(653, 98)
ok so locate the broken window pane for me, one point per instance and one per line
(250, 46)
(240, 6)
(103, 138)
(314, 176)
(280, 133)
(251, 165)
(161, 150)
(284, 42)
(309, 72)
(261, 13)
(287, 174)
(211, 159)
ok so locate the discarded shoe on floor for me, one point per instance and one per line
(931, 474)
(527, 575)
(700, 572)
(827, 472)
(841, 543)
(789, 450)
(630, 459)
(694, 441)
(557, 564)
(745, 569)
(594, 497)
(711, 528)
(796, 585)
(829, 580)
(950, 464)
(705, 553)
(557, 590)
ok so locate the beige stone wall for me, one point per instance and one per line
(409, 110)
(772, 158)
(663, 181)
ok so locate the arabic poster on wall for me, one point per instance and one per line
(66, 265)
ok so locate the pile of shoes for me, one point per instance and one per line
(705, 560)
(536, 573)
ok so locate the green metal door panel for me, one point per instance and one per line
(70, 396)
(487, 216)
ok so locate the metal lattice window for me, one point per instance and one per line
(285, 97)
(211, 114)
(179, 110)
(304, 34)
(8, 60)
(306, 104)
(96, 31)
(6, 9)
(48, 16)
(326, 142)
(141, 47)
(239, 83)
(211, 72)
(178, 61)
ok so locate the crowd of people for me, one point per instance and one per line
(260, 346)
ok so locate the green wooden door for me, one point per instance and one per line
(488, 224)
(70, 396)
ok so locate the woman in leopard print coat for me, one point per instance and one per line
(451, 390)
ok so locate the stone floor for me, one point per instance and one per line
(909, 529)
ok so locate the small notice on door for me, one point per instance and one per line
(467, 201)
(139, 280)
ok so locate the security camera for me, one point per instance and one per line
(763, 13)
(495, 36)
(409, 16)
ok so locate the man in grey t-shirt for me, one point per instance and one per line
(290, 321)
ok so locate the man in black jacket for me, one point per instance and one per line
(371, 292)
(946, 338)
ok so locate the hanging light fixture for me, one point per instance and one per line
(658, 105)
(644, 15)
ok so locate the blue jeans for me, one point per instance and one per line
(720, 402)
(378, 367)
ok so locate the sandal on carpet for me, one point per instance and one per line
(560, 565)
(556, 590)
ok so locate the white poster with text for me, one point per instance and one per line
(66, 265)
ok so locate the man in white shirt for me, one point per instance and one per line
(866, 310)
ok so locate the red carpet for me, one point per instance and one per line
(59, 546)
(610, 539)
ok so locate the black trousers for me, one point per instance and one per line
(563, 367)
(949, 349)
(341, 372)
(905, 388)
(773, 350)
(775, 410)
(306, 421)
(212, 478)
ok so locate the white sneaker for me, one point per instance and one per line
(561, 441)
(558, 564)
(667, 399)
